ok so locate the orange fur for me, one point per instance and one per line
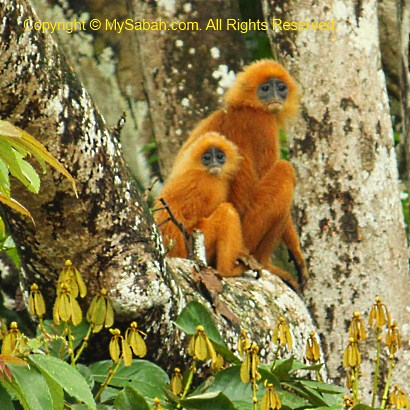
(198, 201)
(262, 190)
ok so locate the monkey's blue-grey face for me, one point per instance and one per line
(213, 159)
(273, 93)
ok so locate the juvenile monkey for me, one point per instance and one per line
(262, 98)
(196, 192)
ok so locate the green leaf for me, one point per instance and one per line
(9, 156)
(311, 395)
(4, 179)
(68, 377)
(15, 205)
(283, 368)
(209, 401)
(297, 365)
(324, 387)
(56, 391)
(109, 394)
(86, 373)
(5, 399)
(21, 140)
(129, 399)
(363, 407)
(239, 393)
(127, 374)
(195, 314)
(144, 377)
(31, 388)
(29, 173)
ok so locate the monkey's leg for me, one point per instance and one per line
(291, 240)
(223, 239)
(264, 253)
(270, 207)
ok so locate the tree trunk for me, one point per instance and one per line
(108, 232)
(186, 76)
(108, 65)
(347, 200)
(394, 32)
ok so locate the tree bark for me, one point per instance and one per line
(108, 232)
(186, 76)
(347, 200)
(108, 65)
(394, 32)
(109, 229)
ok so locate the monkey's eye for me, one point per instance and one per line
(281, 87)
(207, 157)
(265, 87)
(265, 90)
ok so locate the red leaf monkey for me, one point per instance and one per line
(196, 192)
(262, 98)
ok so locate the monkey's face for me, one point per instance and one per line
(213, 159)
(273, 93)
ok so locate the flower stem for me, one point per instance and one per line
(82, 347)
(377, 369)
(107, 381)
(355, 388)
(275, 358)
(188, 384)
(388, 381)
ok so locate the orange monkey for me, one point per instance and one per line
(262, 98)
(196, 193)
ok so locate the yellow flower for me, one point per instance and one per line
(379, 314)
(393, 339)
(36, 303)
(270, 399)
(71, 277)
(66, 307)
(243, 343)
(399, 399)
(119, 348)
(357, 329)
(281, 335)
(351, 356)
(176, 382)
(312, 349)
(11, 339)
(200, 346)
(249, 368)
(100, 313)
(157, 404)
(135, 340)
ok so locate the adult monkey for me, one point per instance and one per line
(263, 97)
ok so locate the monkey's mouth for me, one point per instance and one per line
(275, 106)
(215, 170)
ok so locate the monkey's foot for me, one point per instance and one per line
(250, 263)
